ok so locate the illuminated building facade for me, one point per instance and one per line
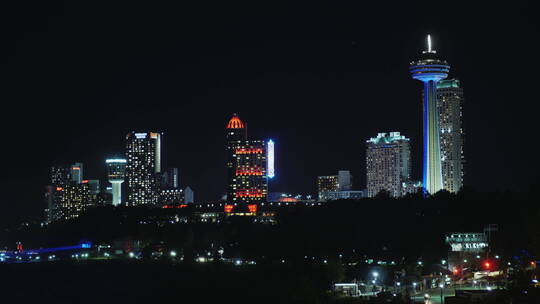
(143, 151)
(170, 179)
(77, 173)
(450, 104)
(344, 194)
(67, 196)
(246, 165)
(60, 175)
(72, 200)
(388, 161)
(467, 250)
(430, 70)
(174, 196)
(325, 184)
(116, 172)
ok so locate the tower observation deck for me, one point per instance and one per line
(116, 172)
(430, 70)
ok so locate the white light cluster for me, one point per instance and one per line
(270, 159)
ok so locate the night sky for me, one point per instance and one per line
(317, 78)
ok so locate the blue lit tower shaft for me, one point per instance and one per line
(430, 70)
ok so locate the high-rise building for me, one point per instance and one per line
(388, 161)
(72, 201)
(450, 105)
(189, 196)
(67, 195)
(246, 165)
(325, 184)
(60, 175)
(93, 186)
(430, 70)
(171, 196)
(116, 171)
(170, 179)
(344, 180)
(143, 151)
(77, 173)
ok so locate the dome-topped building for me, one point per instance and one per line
(246, 165)
(235, 123)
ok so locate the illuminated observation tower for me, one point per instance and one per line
(116, 172)
(430, 70)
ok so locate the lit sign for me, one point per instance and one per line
(468, 246)
(228, 208)
(252, 208)
(116, 160)
(140, 135)
(248, 151)
(270, 159)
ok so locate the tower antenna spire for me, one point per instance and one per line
(429, 50)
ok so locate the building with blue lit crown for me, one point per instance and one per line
(430, 70)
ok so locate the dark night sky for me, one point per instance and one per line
(318, 78)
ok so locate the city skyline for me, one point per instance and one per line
(294, 80)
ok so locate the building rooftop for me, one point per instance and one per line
(387, 138)
(235, 123)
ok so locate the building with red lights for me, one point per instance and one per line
(246, 165)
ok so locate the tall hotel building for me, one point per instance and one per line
(246, 165)
(66, 197)
(450, 103)
(388, 164)
(143, 153)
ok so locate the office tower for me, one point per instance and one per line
(93, 185)
(67, 196)
(60, 175)
(169, 179)
(171, 196)
(72, 201)
(450, 104)
(77, 173)
(116, 172)
(325, 184)
(344, 180)
(246, 165)
(143, 151)
(94, 191)
(388, 161)
(189, 196)
(430, 70)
